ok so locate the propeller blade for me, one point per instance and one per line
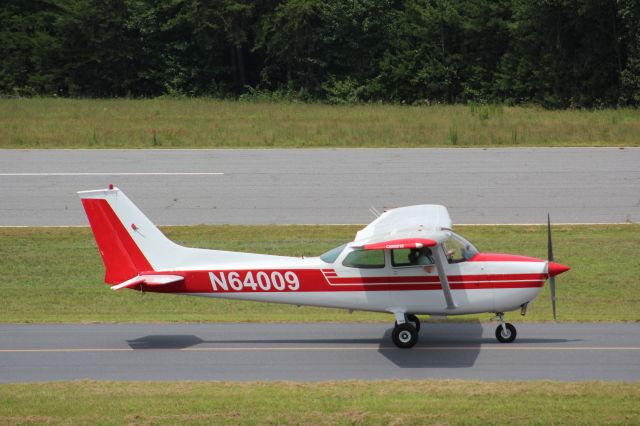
(549, 242)
(552, 279)
(552, 286)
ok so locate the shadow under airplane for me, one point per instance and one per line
(442, 345)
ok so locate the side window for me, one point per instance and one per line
(412, 257)
(365, 259)
(401, 257)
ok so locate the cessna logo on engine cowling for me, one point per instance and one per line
(258, 281)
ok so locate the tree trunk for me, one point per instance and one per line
(242, 74)
(234, 66)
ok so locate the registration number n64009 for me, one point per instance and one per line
(254, 281)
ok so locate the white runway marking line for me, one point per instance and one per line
(337, 348)
(118, 174)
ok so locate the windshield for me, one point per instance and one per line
(332, 255)
(458, 249)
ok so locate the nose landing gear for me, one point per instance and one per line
(505, 332)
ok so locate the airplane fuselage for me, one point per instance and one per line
(487, 285)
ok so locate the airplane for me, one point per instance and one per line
(407, 262)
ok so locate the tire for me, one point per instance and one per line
(415, 320)
(404, 336)
(507, 337)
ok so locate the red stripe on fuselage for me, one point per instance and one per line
(435, 279)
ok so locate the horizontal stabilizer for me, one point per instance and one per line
(149, 280)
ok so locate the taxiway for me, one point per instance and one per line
(311, 352)
(326, 186)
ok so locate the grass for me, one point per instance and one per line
(55, 275)
(345, 402)
(207, 123)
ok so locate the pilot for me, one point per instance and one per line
(425, 256)
(413, 257)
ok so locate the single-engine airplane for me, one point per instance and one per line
(406, 262)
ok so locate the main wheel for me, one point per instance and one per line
(507, 336)
(404, 336)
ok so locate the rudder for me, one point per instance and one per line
(127, 240)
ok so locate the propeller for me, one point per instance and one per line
(553, 268)
(552, 278)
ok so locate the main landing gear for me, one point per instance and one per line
(407, 327)
(505, 332)
(405, 332)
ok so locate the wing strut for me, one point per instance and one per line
(446, 289)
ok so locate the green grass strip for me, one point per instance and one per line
(207, 123)
(345, 402)
(55, 275)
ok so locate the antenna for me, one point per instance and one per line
(374, 211)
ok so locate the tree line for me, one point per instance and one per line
(554, 53)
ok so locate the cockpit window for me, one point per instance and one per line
(365, 259)
(458, 249)
(332, 255)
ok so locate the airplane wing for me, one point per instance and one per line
(149, 280)
(419, 226)
(406, 222)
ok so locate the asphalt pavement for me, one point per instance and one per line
(323, 186)
(312, 352)
(326, 186)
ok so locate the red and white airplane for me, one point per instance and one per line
(406, 262)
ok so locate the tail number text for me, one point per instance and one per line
(260, 281)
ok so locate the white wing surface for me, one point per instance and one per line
(429, 221)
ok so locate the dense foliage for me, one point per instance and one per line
(556, 53)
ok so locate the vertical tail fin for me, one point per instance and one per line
(128, 242)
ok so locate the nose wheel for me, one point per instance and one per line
(506, 336)
(505, 332)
